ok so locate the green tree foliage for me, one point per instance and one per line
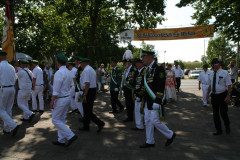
(81, 27)
(220, 46)
(225, 13)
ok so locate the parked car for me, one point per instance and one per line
(194, 73)
(186, 71)
(199, 69)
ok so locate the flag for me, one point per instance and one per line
(8, 38)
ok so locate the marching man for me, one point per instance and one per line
(203, 79)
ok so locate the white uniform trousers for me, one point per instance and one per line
(22, 101)
(59, 114)
(205, 90)
(72, 95)
(151, 121)
(38, 91)
(138, 115)
(6, 103)
(79, 104)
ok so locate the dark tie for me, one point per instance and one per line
(214, 82)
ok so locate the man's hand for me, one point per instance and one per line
(227, 99)
(33, 88)
(84, 99)
(51, 104)
(207, 96)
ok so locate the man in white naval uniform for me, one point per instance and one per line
(61, 101)
(73, 71)
(7, 94)
(49, 71)
(37, 87)
(203, 79)
(25, 90)
(154, 83)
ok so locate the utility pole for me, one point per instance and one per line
(237, 62)
(164, 56)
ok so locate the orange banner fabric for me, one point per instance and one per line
(174, 34)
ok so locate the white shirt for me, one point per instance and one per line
(178, 72)
(223, 80)
(38, 74)
(49, 73)
(88, 75)
(204, 77)
(24, 81)
(7, 74)
(62, 82)
(74, 71)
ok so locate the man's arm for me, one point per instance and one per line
(33, 83)
(87, 84)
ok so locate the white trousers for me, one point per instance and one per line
(205, 90)
(38, 91)
(138, 115)
(59, 114)
(6, 103)
(72, 96)
(151, 121)
(79, 104)
(22, 101)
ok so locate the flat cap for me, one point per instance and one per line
(3, 53)
(61, 58)
(145, 53)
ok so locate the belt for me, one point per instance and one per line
(39, 85)
(7, 86)
(64, 96)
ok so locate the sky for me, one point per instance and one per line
(185, 50)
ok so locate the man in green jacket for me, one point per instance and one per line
(116, 77)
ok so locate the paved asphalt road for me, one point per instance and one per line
(192, 123)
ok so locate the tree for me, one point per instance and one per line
(226, 15)
(220, 46)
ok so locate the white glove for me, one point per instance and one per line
(116, 89)
(138, 99)
(155, 106)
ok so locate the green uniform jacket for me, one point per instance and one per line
(116, 76)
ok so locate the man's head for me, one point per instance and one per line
(84, 62)
(147, 57)
(139, 63)
(77, 60)
(113, 63)
(205, 67)
(34, 63)
(102, 65)
(2, 56)
(169, 66)
(23, 63)
(61, 60)
(70, 65)
(127, 58)
(215, 64)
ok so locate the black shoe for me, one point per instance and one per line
(5, 132)
(146, 145)
(112, 112)
(128, 120)
(121, 110)
(70, 141)
(24, 120)
(169, 141)
(14, 131)
(84, 129)
(58, 143)
(31, 117)
(75, 111)
(217, 133)
(100, 127)
(34, 111)
(137, 129)
(228, 130)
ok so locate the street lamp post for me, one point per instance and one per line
(164, 56)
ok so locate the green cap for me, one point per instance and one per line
(145, 53)
(76, 58)
(84, 59)
(3, 53)
(23, 62)
(61, 58)
(71, 63)
(205, 66)
(34, 61)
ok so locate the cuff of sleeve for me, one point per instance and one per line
(55, 93)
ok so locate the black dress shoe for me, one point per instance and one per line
(34, 111)
(24, 120)
(169, 141)
(128, 120)
(121, 110)
(112, 112)
(100, 127)
(75, 111)
(84, 129)
(58, 143)
(146, 145)
(14, 131)
(228, 130)
(5, 132)
(217, 133)
(137, 129)
(70, 141)
(31, 117)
